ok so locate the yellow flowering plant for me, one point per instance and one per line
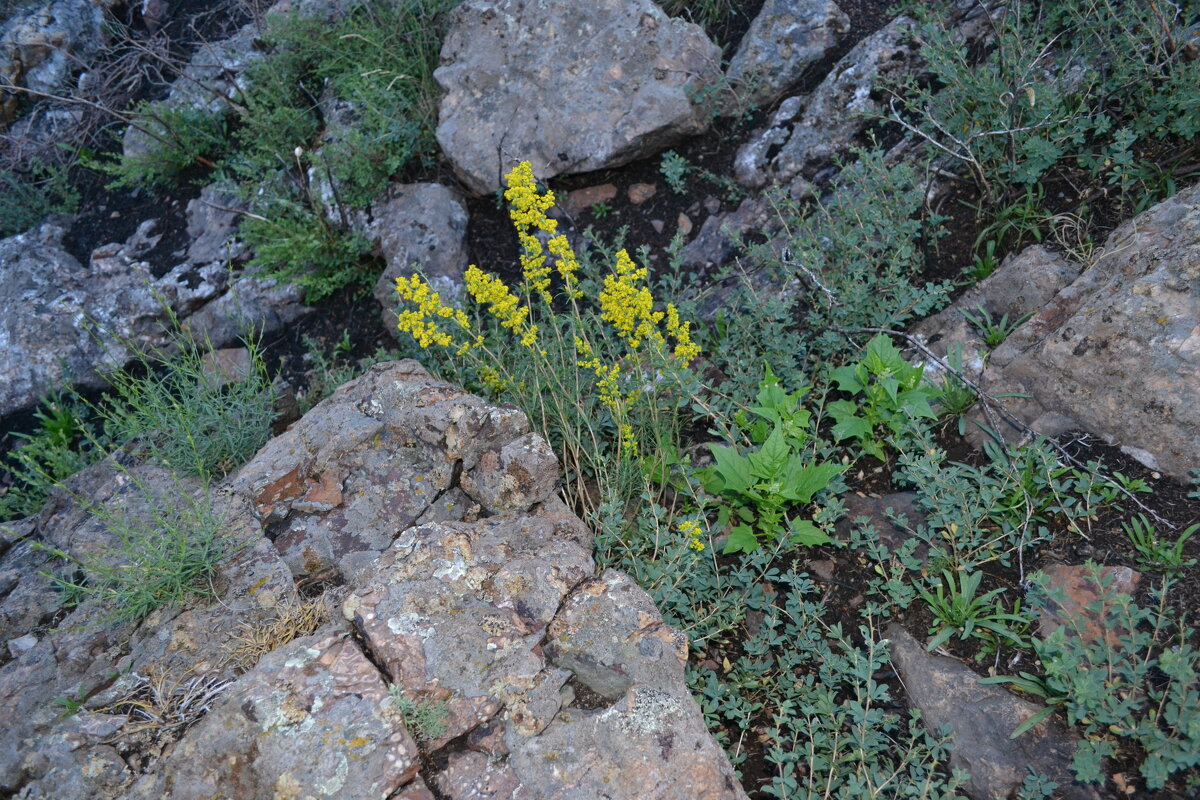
(597, 363)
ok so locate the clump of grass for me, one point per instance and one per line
(425, 719)
(290, 622)
(62, 443)
(186, 417)
(161, 549)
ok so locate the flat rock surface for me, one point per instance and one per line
(570, 87)
(1117, 352)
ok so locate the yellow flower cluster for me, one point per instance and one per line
(685, 349)
(423, 321)
(692, 531)
(527, 210)
(607, 377)
(503, 304)
(627, 304)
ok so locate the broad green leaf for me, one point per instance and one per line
(855, 427)
(741, 540)
(882, 357)
(802, 480)
(732, 470)
(804, 532)
(846, 379)
(916, 402)
(771, 458)
(891, 386)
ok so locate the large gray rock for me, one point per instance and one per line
(99, 661)
(419, 228)
(65, 323)
(1117, 352)
(41, 45)
(982, 718)
(784, 39)
(809, 131)
(570, 87)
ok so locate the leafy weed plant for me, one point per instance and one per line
(781, 473)
(993, 331)
(887, 393)
(957, 609)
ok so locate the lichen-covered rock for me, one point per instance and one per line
(456, 612)
(419, 228)
(370, 460)
(41, 45)
(648, 738)
(784, 39)
(1117, 352)
(64, 320)
(313, 719)
(824, 123)
(570, 87)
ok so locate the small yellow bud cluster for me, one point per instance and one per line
(692, 531)
(502, 303)
(423, 321)
(608, 377)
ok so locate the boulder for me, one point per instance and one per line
(982, 718)
(42, 44)
(475, 645)
(808, 132)
(784, 39)
(64, 322)
(419, 228)
(1117, 352)
(570, 87)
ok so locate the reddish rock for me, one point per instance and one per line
(1071, 589)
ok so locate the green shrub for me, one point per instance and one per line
(173, 139)
(184, 416)
(1058, 84)
(27, 197)
(60, 446)
(296, 243)
(857, 252)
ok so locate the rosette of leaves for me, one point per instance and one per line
(887, 394)
(762, 488)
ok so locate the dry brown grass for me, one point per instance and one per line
(254, 641)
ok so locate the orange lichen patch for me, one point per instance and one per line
(288, 486)
(327, 491)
